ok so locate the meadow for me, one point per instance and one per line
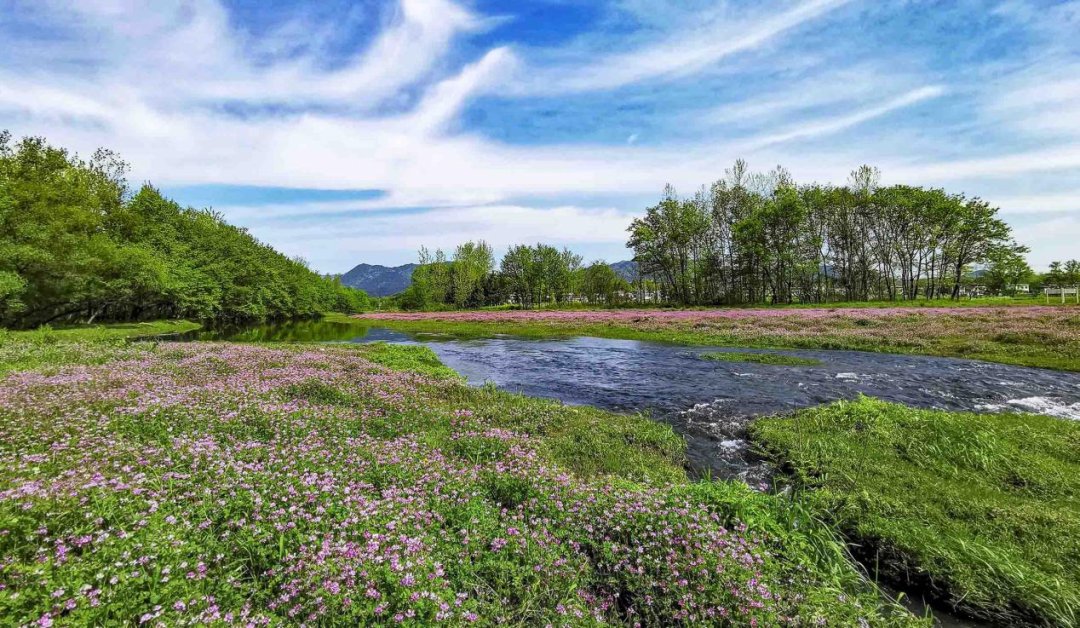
(193, 483)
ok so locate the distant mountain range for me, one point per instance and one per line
(383, 281)
(377, 280)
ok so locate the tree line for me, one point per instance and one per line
(529, 276)
(752, 238)
(77, 245)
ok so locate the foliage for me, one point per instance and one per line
(221, 484)
(982, 509)
(75, 245)
(528, 275)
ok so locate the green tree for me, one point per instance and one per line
(1007, 267)
(473, 262)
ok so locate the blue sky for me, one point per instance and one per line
(348, 132)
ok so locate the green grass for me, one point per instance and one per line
(416, 359)
(777, 359)
(982, 510)
(86, 344)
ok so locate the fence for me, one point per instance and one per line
(1062, 292)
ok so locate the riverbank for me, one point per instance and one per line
(87, 344)
(981, 511)
(370, 485)
(1039, 336)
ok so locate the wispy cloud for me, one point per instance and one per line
(686, 50)
(819, 128)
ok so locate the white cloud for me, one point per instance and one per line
(687, 50)
(1050, 240)
(1065, 157)
(1039, 203)
(351, 240)
(818, 128)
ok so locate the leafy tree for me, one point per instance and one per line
(601, 284)
(473, 262)
(75, 244)
(1007, 268)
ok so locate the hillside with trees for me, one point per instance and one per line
(76, 245)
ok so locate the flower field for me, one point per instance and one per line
(184, 484)
(1043, 336)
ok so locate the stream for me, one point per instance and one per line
(708, 402)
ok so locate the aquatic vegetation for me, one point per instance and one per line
(183, 484)
(982, 510)
(1028, 336)
(777, 359)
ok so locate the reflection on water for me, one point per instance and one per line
(294, 331)
(708, 402)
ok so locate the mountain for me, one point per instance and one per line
(627, 269)
(377, 280)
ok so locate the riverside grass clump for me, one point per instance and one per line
(774, 359)
(1039, 336)
(183, 484)
(983, 511)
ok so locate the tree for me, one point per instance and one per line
(978, 231)
(473, 261)
(669, 242)
(1007, 268)
(517, 269)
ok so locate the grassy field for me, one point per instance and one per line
(277, 484)
(1047, 337)
(981, 510)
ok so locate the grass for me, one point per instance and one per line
(981, 510)
(357, 485)
(1043, 337)
(87, 344)
(777, 359)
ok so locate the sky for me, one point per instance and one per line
(357, 131)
